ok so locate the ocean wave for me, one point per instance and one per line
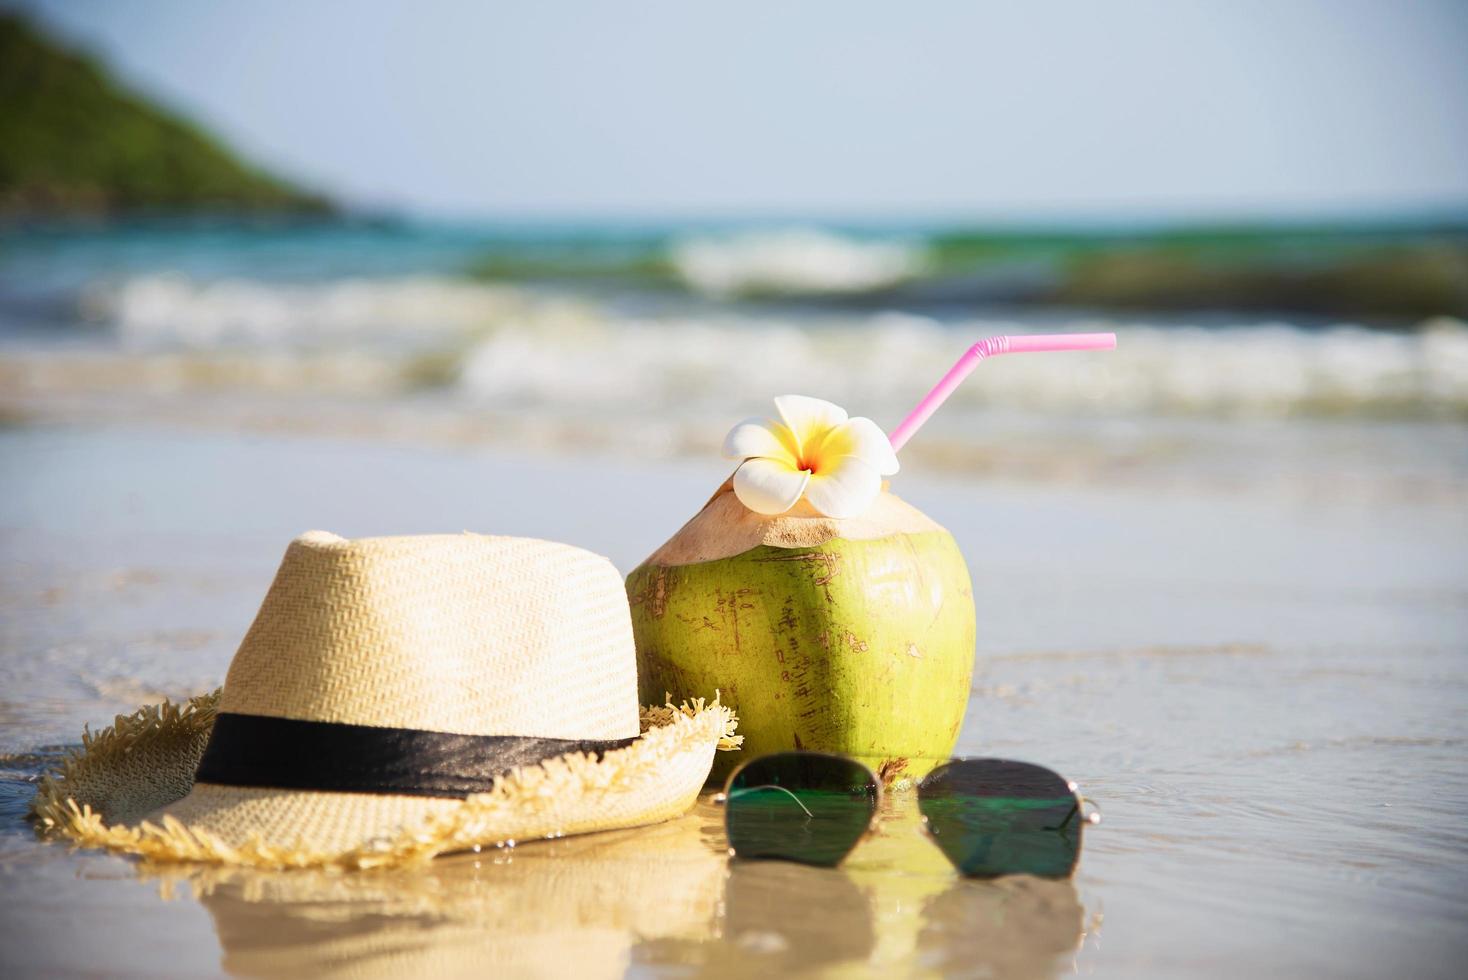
(881, 365)
(792, 262)
(173, 311)
(504, 347)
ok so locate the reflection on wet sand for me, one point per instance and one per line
(652, 899)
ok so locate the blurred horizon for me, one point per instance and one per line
(1245, 114)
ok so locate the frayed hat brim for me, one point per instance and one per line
(130, 789)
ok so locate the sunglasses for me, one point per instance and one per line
(989, 817)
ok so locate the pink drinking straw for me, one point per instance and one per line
(994, 346)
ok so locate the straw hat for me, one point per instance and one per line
(396, 699)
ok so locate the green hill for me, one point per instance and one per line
(74, 141)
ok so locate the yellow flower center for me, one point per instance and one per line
(813, 454)
(821, 450)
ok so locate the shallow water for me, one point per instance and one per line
(1263, 688)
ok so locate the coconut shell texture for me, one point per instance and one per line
(855, 637)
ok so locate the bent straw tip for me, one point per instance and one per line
(1018, 344)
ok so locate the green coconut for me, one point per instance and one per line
(852, 636)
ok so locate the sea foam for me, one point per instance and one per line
(792, 262)
(500, 345)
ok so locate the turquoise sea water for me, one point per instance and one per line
(930, 264)
(652, 340)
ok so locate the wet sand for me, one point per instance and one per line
(1264, 690)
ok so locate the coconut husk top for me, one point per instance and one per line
(725, 527)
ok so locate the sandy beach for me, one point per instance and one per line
(1262, 688)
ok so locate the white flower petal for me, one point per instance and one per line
(863, 439)
(759, 437)
(809, 418)
(845, 490)
(769, 486)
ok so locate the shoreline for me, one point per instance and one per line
(1261, 690)
(1331, 460)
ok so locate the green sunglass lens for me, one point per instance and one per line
(799, 806)
(993, 817)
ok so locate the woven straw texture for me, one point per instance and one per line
(654, 779)
(459, 633)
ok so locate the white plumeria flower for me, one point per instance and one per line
(836, 463)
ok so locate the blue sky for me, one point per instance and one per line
(1001, 110)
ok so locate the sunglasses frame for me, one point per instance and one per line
(722, 797)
